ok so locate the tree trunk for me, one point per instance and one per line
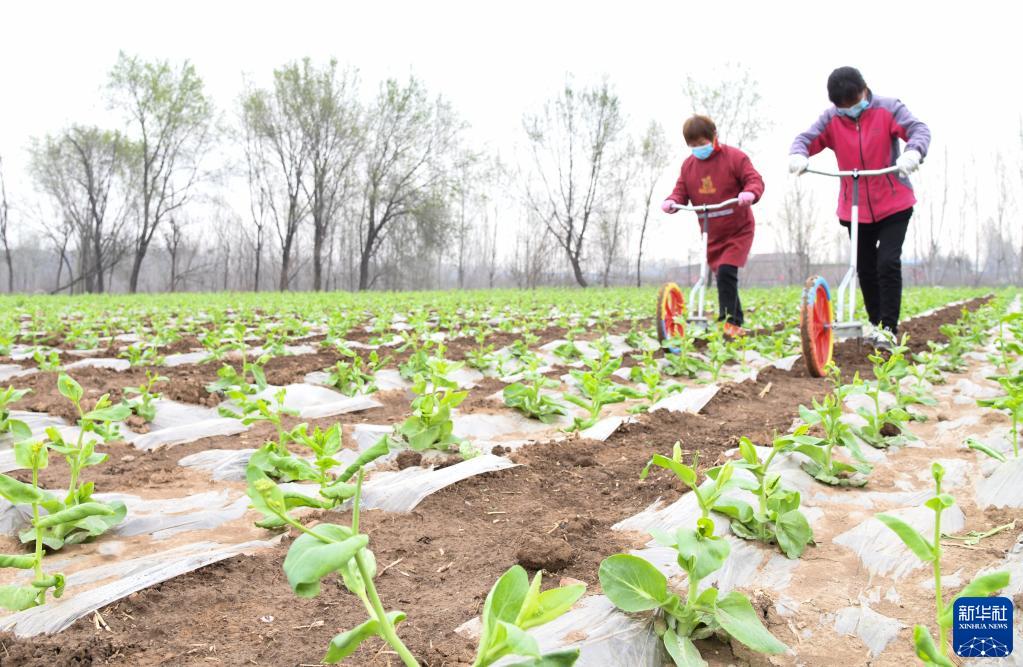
(317, 259)
(136, 269)
(10, 267)
(364, 269)
(577, 270)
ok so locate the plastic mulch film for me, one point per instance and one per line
(222, 464)
(688, 400)
(125, 577)
(177, 423)
(160, 518)
(403, 490)
(883, 552)
(11, 371)
(603, 635)
(489, 427)
(163, 518)
(185, 358)
(313, 402)
(119, 365)
(1002, 483)
(388, 379)
(875, 630)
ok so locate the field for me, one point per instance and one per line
(465, 434)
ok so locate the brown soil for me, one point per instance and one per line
(437, 562)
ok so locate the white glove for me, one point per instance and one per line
(908, 162)
(798, 163)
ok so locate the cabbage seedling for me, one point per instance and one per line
(16, 598)
(515, 605)
(143, 397)
(331, 548)
(929, 551)
(634, 585)
(777, 517)
(430, 426)
(531, 401)
(1012, 402)
(78, 517)
(17, 428)
(822, 465)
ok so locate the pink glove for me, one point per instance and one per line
(668, 206)
(746, 198)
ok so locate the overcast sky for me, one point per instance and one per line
(955, 69)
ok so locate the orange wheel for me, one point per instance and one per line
(671, 312)
(815, 320)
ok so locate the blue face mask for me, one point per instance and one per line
(703, 152)
(855, 110)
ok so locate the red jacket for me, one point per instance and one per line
(869, 142)
(727, 172)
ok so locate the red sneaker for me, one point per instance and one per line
(734, 330)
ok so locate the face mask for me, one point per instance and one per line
(855, 110)
(703, 152)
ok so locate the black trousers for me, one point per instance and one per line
(879, 267)
(729, 307)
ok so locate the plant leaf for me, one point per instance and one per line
(793, 533)
(19, 493)
(682, 650)
(632, 583)
(926, 650)
(309, 559)
(736, 615)
(916, 542)
(346, 643)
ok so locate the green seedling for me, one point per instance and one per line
(355, 376)
(516, 605)
(823, 466)
(18, 429)
(884, 428)
(529, 399)
(681, 356)
(929, 551)
(47, 362)
(710, 492)
(776, 517)
(1012, 402)
(430, 426)
(143, 398)
(983, 448)
(142, 354)
(77, 517)
(634, 585)
(31, 455)
(648, 376)
(598, 390)
(249, 411)
(330, 548)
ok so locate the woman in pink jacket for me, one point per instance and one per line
(863, 130)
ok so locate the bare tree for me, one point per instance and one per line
(615, 210)
(653, 158)
(329, 115)
(570, 140)
(281, 155)
(798, 233)
(83, 170)
(731, 97)
(408, 138)
(4, 238)
(172, 119)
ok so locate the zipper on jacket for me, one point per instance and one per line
(863, 165)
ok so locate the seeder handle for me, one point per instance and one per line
(701, 208)
(855, 173)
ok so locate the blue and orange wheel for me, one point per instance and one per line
(815, 326)
(671, 312)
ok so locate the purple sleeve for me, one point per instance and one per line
(815, 139)
(914, 132)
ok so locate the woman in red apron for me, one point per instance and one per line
(713, 173)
